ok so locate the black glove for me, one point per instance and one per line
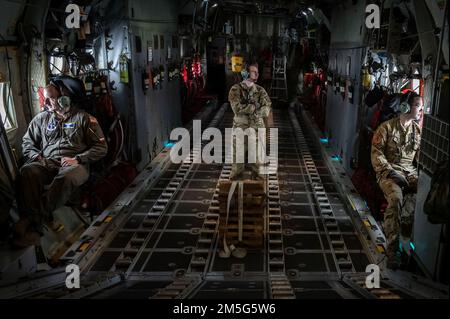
(412, 182)
(398, 178)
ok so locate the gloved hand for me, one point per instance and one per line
(398, 178)
(412, 182)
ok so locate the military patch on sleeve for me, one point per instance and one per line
(377, 138)
(93, 120)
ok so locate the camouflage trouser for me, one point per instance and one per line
(238, 168)
(399, 214)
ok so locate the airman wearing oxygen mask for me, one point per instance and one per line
(59, 145)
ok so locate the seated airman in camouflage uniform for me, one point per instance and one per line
(395, 146)
(251, 105)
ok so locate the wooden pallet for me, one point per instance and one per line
(253, 207)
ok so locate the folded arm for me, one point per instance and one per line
(235, 101)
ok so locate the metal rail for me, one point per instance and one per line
(334, 235)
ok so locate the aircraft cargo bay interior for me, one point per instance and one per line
(224, 149)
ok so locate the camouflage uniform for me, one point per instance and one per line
(77, 135)
(251, 105)
(394, 149)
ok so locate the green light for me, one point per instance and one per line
(413, 247)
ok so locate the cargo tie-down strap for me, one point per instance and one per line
(227, 251)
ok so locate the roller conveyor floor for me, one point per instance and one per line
(164, 243)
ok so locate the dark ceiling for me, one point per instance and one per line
(276, 6)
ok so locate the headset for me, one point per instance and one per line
(64, 101)
(404, 106)
(245, 73)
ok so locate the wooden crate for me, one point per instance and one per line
(254, 204)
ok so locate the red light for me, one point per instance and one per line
(184, 74)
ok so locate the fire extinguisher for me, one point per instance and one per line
(342, 87)
(145, 81)
(350, 93)
(123, 66)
